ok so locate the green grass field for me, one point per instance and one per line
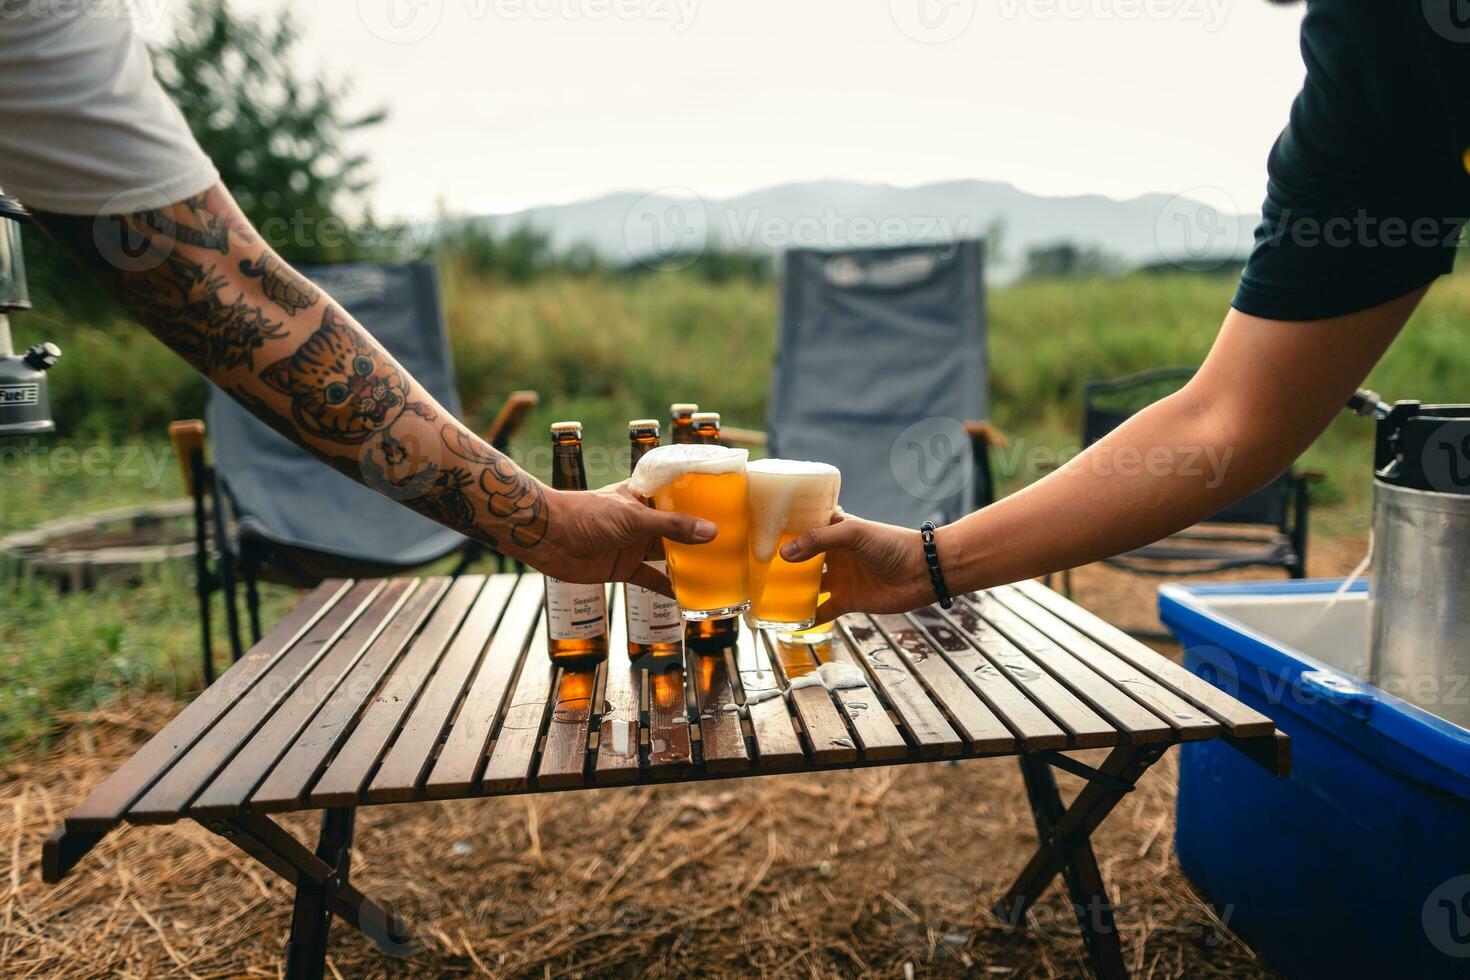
(603, 351)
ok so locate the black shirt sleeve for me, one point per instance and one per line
(1367, 189)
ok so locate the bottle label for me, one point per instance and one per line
(653, 618)
(575, 612)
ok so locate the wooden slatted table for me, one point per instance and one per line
(407, 690)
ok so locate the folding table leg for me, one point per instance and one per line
(311, 919)
(1066, 849)
(321, 880)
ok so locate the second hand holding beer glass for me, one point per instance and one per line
(711, 580)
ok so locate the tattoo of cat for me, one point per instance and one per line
(286, 287)
(515, 497)
(344, 388)
(180, 301)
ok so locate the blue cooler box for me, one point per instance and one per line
(1358, 865)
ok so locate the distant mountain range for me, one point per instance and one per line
(1197, 228)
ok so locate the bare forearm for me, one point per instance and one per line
(203, 282)
(1266, 391)
(1162, 470)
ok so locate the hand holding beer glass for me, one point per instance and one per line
(757, 507)
(711, 580)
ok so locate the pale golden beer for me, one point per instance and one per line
(712, 580)
(787, 497)
(812, 635)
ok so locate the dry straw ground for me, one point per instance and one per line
(872, 873)
(853, 874)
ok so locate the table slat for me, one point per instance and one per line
(981, 729)
(1033, 726)
(1133, 721)
(104, 807)
(721, 739)
(347, 775)
(457, 769)
(514, 751)
(877, 737)
(928, 729)
(1191, 722)
(574, 717)
(1002, 673)
(1241, 720)
(228, 791)
(670, 748)
(827, 736)
(169, 797)
(772, 730)
(412, 753)
(564, 757)
(622, 695)
(285, 787)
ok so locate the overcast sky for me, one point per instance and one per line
(500, 104)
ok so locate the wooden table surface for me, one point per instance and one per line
(389, 691)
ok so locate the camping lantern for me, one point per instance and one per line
(25, 408)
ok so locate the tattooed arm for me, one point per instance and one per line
(198, 276)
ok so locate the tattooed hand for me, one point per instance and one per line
(602, 536)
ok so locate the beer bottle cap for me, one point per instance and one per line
(638, 425)
(699, 417)
(683, 408)
(567, 427)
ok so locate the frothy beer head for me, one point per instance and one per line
(665, 465)
(787, 497)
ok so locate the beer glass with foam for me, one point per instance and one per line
(787, 497)
(711, 580)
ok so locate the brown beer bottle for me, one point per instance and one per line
(576, 614)
(681, 414)
(655, 628)
(710, 635)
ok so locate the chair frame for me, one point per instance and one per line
(217, 570)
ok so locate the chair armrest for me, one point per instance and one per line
(187, 436)
(750, 438)
(987, 433)
(1310, 476)
(511, 417)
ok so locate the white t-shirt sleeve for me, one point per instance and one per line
(85, 128)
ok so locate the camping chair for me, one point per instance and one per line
(276, 513)
(1266, 529)
(880, 370)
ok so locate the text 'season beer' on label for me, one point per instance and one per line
(655, 628)
(576, 614)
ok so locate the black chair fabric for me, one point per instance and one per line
(881, 358)
(284, 498)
